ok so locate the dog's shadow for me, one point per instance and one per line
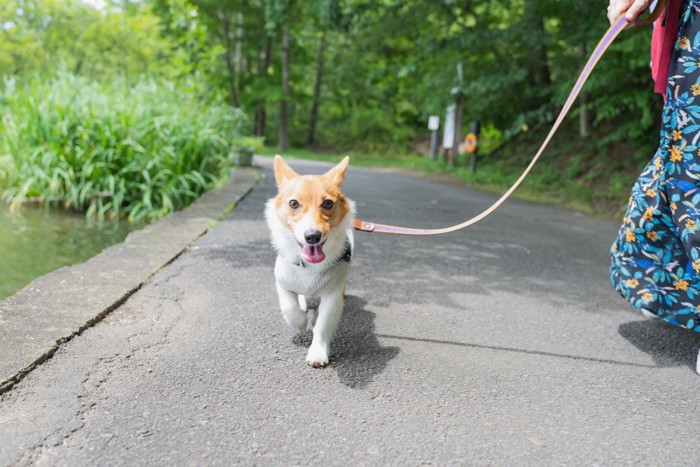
(668, 345)
(355, 351)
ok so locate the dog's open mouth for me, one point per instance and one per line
(312, 253)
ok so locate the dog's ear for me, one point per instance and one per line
(337, 173)
(283, 171)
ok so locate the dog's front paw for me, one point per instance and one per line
(317, 356)
(295, 318)
(302, 303)
(298, 324)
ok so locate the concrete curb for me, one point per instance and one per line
(62, 304)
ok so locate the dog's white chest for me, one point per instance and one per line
(311, 281)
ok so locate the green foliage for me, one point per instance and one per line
(387, 65)
(141, 151)
(42, 35)
(20, 45)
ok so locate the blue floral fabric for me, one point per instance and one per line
(656, 256)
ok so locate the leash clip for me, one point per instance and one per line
(358, 224)
(363, 226)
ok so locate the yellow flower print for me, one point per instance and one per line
(695, 89)
(681, 285)
(647, 297)
(677, 134)
(632, 283)
(696, 266)
(691, 225)
(648, 213)
(629, 235)
(657, 163)
(653, 236)
(676, 154)
(683, 42)
(673, 208)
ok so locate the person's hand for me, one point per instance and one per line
(630, 8)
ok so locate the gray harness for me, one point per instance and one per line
(312, 280)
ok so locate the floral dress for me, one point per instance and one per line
(656, 256)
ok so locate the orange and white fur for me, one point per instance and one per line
(310, 223)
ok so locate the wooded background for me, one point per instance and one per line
(352, 73)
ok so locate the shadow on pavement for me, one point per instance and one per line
(356, 354)
(667, 344)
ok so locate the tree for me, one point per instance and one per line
(351, 72)
(277, 15)
(43, 35)
(21, 49)
(264, 61)
(282, 142)
(325, 13)
(313, 118)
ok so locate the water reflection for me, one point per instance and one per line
(36, 241)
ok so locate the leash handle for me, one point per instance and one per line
(596, 55)
(655, 14)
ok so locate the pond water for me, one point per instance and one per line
(36, 241)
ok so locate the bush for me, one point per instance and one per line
(140, 151)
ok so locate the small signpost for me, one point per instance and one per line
(451, 137)
(448, 133)
(433, 126)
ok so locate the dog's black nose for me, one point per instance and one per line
(312, 237)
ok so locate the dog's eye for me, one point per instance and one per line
(327, 204)
(294, 204)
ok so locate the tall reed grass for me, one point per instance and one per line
(118, 150)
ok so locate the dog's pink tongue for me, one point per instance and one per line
(313, 253)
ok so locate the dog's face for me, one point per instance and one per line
(310, 206)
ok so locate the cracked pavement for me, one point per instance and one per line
(500, 345)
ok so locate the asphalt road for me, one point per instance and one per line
(500, 345)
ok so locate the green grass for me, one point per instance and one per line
(139, 151)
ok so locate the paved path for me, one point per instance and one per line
(500, 345)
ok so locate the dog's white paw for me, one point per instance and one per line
(296, 319)
(302, 303)
(317, 356)
(299, 325)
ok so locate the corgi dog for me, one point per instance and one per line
(310, 222)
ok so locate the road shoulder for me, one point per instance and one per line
(56, 307)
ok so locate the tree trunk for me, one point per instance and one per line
(584, 118)
(238, 53)
(228, 58)
(311, 139)
(282, 143)
(260, 113)
(538, 66)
